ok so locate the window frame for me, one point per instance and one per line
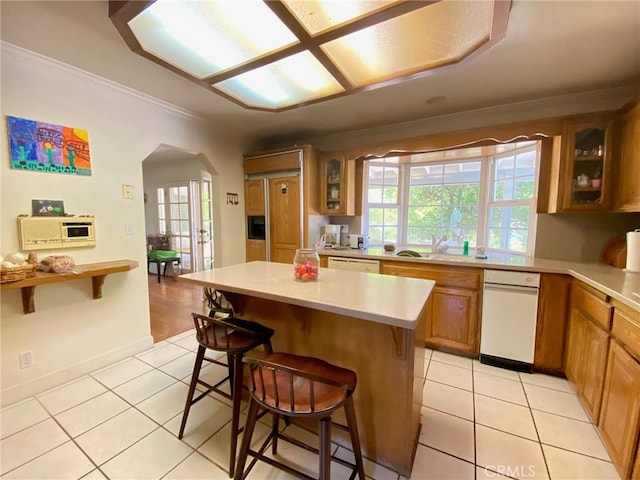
(401, 193)
(487, 172)
(530, 202)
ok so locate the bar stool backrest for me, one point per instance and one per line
(222, 334)
(217, 303)
(312, 386)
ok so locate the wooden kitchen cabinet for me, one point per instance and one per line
(337, 184)
(452, 320)
(575, 340)
(587, 181)
(620, 416)
(627, 197)
(284, 211)
(553, 308)
(290, 176)
(588, 345)
(453, 310)
(594, 358)
(254, 197)
(256, 250)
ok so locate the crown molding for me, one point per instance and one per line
(48, 64)
(597, 100)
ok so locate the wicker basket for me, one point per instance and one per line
(19, 272)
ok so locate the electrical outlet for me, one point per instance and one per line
(26, 359)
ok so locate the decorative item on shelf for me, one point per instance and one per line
(582, 180)
(389, 247)
(306, 265)
(58, 264)
(596, 181)
(16, 266)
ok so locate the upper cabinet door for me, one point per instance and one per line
(587, 179)
(627, 190)
(254, 197)
(337, 191)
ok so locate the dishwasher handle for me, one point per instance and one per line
(510, 288)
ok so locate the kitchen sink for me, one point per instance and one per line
(450, 257)
(444, 257)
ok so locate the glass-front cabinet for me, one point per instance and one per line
(587, 180)
(336, 191)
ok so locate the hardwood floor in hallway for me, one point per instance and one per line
(171, 303)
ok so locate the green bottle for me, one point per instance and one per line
(465, 247)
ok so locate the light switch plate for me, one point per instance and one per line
(127, 192)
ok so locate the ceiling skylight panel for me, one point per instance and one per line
(242, 46)
(320, 15)
(423, 39)
(292, 80)
(203, 38)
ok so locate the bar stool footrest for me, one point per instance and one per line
(259, 455)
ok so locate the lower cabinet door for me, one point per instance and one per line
(594, 355)
(256, 250)
(452, 320)
(573, 362)
(553, 303)
(620, 415)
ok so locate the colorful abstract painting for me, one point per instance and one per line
(44, 147)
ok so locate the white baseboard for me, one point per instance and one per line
(17, 393)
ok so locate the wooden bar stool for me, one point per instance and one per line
(235, 337)
(297, 386)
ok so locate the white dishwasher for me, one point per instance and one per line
(509, 313)
(355, 264)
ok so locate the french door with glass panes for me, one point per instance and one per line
(204, 257)
(188, 222)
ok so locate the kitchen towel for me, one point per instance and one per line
(633, 251)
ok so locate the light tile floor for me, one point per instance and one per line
(121, 422)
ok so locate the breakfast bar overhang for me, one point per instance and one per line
(369, 323)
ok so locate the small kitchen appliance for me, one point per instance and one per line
(330, 235)
(344, 235)
(357, 240)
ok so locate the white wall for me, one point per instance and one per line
(70, 334)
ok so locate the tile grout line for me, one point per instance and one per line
(533, 419)
(70, 439)
(475, 437)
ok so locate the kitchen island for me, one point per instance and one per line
(368, 323)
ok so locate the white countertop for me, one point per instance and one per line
(395, 301)
(619, 284)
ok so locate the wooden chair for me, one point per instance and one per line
(235, 337)
(296, 386)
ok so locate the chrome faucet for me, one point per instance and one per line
(437, 246)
